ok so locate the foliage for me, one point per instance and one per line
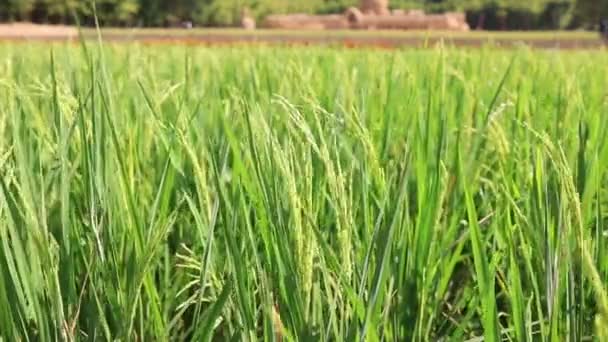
(588, 12)
(155, 193)
(16, 9)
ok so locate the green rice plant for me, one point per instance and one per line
(302, 194)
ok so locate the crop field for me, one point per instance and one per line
(155, 193)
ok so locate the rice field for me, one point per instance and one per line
(156, 193)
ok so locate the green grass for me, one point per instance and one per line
(187, 193)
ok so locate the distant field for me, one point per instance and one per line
(350, 38)
(547, 39)
(527, 35)
(185, 193)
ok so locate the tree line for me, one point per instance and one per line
(483, 14)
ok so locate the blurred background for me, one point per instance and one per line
(480, 14)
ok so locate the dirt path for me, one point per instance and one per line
(32, 31)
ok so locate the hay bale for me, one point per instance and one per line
(247, 20)
(248, 23)
(388, 22)
(456, 21)
(306, 22)
(448, 22)
(291, 22)
(358, 19)
(411, 12)
(460, 16)
(354, 17)
(378, 7)
(416, 12)
(333, 22)
(411, 22)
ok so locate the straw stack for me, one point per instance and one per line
(377, 7)
(306, 22)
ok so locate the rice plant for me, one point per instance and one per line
(302, 194)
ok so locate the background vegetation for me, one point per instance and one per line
(189, 193)
(488, 14)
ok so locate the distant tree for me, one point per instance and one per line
(16, 9)
(336, 6)
(502, 12)
(63, 11)
(587, 13)
(125, 11)
(219, 12)
(116, 12)
(152, 12)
